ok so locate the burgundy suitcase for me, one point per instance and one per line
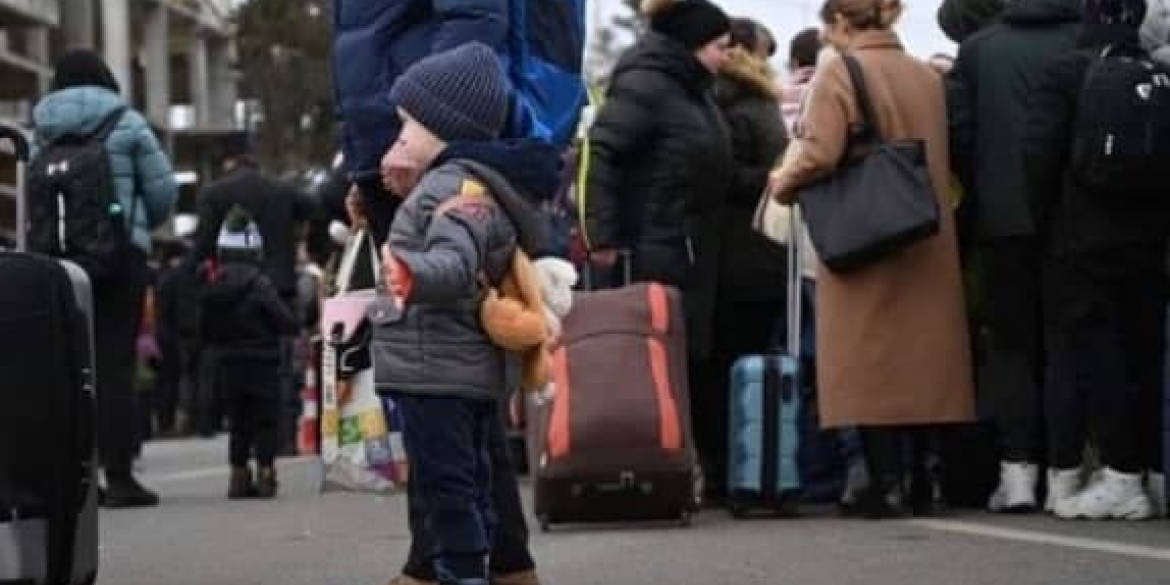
(615, 443)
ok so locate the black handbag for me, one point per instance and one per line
(874, 203)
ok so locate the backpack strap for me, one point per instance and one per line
(108, 124)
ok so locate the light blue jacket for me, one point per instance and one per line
(140, 167)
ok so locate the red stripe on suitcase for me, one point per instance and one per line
(670, 433)
(559, 444)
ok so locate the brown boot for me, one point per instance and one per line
(520, 578)
(408, 580)
(266, 485)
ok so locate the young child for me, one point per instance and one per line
(455, 236)
(243, 320)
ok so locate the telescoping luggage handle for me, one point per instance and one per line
(795, 297)
(20, 148)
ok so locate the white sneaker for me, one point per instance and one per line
(1063, 484)
(1017, 488)
(1156, 490)
(1120, 496)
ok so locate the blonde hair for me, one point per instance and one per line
(652, 7)
(863, 14)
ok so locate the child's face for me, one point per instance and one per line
(407, 160)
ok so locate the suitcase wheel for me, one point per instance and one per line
(545, 523)
(684, 518)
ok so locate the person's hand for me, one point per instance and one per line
(604, 258)
(396, 275)
(775, 184)
(355, 208)
(400, 171)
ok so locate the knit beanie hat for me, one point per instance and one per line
(239, 237)
(459, 95)
(83, 68)
(1129, 13)
(694, 23)
(960, 19)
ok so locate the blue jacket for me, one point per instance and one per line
(132, 147)
(540, 42)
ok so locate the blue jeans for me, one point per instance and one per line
(446, 440)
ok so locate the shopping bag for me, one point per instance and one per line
(361, 450)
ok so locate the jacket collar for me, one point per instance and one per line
(876, 39)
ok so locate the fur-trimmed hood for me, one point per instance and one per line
(745, 75)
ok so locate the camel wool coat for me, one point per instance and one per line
(892, 344)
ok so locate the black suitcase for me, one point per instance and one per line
(48, 464)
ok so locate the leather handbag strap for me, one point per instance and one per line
(867, 128)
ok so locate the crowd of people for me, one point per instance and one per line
(1040, 297)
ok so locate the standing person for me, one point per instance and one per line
(85, 95)
(661, 163)
(1104, 263)
(542, 42)
(752, 269)
(802, 63)
(987, 95)
(243, 320)
(281, 211)
(462, 219)
(892, 352)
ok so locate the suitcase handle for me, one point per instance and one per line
(18, 140)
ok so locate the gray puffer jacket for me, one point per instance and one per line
(439, 347)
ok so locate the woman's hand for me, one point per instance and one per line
(776, 185)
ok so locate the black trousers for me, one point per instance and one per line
(509, 550)
(167, 389)
(252, 390)
(1012, 383)
(118, 316)
(1105, 328)
(741, 329)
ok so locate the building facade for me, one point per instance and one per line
(174, 59)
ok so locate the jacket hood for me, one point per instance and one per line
(75, 110)
(655, 52)
(959, 19)
(1155, 32)
(743, 74)
(519, 174)
(230, 282)
(1042, 12)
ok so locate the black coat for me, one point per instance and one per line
(987, 103)
(752, 268)
(660, 166)
(279, 210)
(1073, 219)
(242, 314)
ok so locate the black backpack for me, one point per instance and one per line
(1121, 145)
(74, 210)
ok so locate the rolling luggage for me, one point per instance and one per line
(48, 464)
(614, 444)
(765, 395)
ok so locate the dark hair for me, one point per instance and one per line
(805, 47)
(748, 34)
(83, 68)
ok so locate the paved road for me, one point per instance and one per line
(199, 538)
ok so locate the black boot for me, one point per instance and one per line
(242, 485)
(885, 499)
(266, 484)
(124, 491)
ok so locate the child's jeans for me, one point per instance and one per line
(447, 443)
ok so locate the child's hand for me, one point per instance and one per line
(396, 274)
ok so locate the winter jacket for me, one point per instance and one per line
(987, 97)
(752, 268)
(660, 168)
(375, 41)
(241, 312)
(439, 347)
(279, 210)
(1073, 219)
(959, 19)
(143, 176)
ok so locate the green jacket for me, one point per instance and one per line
(987, 94)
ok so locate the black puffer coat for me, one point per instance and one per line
(661, 164)
(752, 267)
